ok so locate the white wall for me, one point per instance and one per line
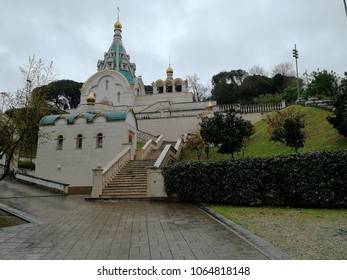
(176, 97)
(74, 166)
(175, 127)
(117, 83)
(171, 128)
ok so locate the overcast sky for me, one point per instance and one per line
(203, 37)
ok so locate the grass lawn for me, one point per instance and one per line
(8, 220)
(301, 233)
(320, 135)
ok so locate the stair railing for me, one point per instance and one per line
(148, 147)
(155, 180)
(102, 176)
(169, 154)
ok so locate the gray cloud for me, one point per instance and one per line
(201, 36)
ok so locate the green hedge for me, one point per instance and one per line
(217, 182)
(303, 180)
(310, 179)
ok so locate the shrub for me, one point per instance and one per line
(301, 180)
(276, 121)
(27, 164)
(237, 182)
(339, 120)
(269, 98)
(310, 179)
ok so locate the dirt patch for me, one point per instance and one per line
(8, 220)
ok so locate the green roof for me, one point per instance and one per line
(128, 76)
(115, 116)
(70, 118)
(119, 49)
(48, 120)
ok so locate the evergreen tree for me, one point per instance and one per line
(293, 135)
(339, 121)
(228, 132)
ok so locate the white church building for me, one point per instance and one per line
(116, 108)
(106, 122)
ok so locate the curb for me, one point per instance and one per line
(258, 243)
(20, 214)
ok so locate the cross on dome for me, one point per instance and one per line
(117, 25)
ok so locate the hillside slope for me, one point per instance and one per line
(320, 135)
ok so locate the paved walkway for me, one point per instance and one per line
(68, 227)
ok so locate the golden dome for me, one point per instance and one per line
(91, 97)
(118, 25)
(209, 106)
(169, 71)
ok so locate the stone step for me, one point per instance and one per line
(132, 174)
(129, 186)
(130, 182)
(125, 188)
(109, 197)
(127, 193)
(128, 179)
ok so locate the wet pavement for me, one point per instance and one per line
(68, 227)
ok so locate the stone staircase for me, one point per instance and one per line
(131, 181)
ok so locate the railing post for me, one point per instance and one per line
(97, 183)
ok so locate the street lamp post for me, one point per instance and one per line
(296, 56)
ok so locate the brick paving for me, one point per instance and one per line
(68, 227)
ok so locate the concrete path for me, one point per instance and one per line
(68, 227)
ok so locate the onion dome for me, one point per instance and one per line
(209, 106)
(169, 71)
(118, 25)
(91, 98)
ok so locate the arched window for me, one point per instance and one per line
(160, 86)
(178, 85)
(79, 141)
(106, 85)
(118, 97)
(99, 140)
(60, 142)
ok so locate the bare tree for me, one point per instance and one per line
(199, 90)
(34, 74)
(19, 127)
(285, 69)
(257, 70)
